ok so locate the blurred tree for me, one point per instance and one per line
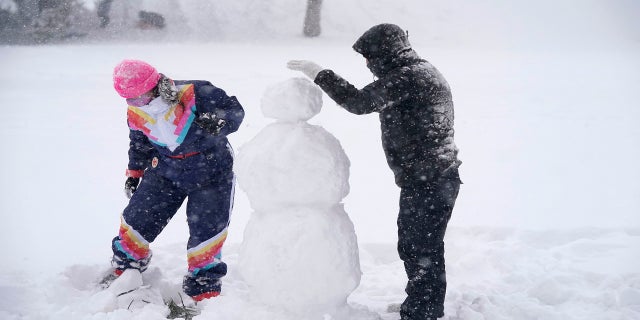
(28, 9)
(47, 20)
(8, 15)
(103, 10)
(311, 26)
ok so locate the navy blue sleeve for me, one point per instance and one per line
(140, 150)
(210, 98)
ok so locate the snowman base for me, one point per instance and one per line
(301, 259)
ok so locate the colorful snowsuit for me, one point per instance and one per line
(181, 160)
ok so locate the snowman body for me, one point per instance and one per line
(299, 250)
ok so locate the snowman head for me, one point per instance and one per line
(295, 99)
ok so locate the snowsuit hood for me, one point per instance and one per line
(385, 46)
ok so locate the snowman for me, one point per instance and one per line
(299, 251)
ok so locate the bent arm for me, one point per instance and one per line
(215, 100)
(373, 98)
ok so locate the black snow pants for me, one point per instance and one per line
(425, 210)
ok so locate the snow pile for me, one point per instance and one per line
(128, 291)
(493, 274)
(299, 251)
(505, 274)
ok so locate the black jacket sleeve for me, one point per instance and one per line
(375, 97)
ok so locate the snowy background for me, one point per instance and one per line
(547, 224)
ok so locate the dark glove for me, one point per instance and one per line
(210, 122)
(130, 186)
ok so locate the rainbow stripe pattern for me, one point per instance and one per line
(169, 129)
(207, 254)
(131, 242)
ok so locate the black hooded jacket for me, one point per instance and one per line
(413, 100)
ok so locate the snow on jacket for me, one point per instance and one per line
(413, 101)
(188, 154)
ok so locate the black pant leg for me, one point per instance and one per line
(425, 211)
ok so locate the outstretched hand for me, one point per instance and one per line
(309, 68)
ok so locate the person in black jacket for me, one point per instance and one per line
(416, 115)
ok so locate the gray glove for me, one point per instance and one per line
(309, 68)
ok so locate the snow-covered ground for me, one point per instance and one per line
(546, 225)
(493, 274)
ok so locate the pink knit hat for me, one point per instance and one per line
(132, 78)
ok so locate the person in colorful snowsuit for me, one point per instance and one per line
(415, 108)
(179, 149)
